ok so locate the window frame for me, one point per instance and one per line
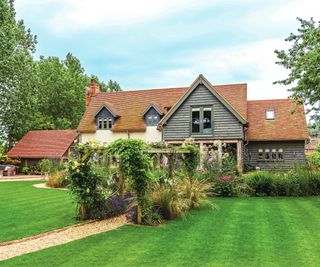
(154, 121)
(274, 114)
(201, 124)
(104, 123)
(262, 153)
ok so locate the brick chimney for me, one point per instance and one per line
(91, 91)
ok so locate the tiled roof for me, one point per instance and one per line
(44, 144)
(131, 104)
(312, 145)
(289, 123)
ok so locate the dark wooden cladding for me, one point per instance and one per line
(225, 124)
(293, 153)
(104, 113)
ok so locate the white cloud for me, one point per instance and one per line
(224, 65)
(74, 15)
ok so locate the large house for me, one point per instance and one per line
(266, 134)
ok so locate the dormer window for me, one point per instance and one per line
(152, 119)
(105, 117)
(152, 115)
(105, 123)
(270, 114)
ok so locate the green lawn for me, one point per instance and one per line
(243, 232)
(26, 210)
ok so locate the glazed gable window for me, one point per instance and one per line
(201, 120)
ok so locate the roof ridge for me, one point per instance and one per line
(166, 88)
(275, 99)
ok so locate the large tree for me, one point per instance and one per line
(302, 60)
(48, 93)
(60, 92)
(16, 64)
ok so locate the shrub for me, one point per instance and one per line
(117, 205)
(195, 192)
(261, 182)
(168, 201)
(230, 186)
(45, 166)
(313, 159)
(58, 180)
(85, 184)
(224, 186)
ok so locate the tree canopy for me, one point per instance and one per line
(302, 60)
(44, 93)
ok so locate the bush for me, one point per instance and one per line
(117, 205)
(168, 201)
(299, 181)
(230, 186)
(313, 159)
(58, 180)
(261, 182)
(195, 192)
(45, 166)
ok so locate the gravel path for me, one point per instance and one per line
(15, 248)
(19, 178)
(43, 185)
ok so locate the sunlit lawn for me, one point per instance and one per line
(26, 210)
(243, 232)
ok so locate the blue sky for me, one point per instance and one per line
(163, 43)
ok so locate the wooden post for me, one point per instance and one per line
(201, 146)
(220, 153)
(240, 156)
(139, 219)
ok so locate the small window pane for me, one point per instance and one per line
(280, 154)
(260, 155)
(104, 123)
(267, 154)
(274, 154)
(195, 120)
(109, 123)
(207, 129)
(100, 123)
(270, 115)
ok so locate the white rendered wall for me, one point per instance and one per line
(106, 136)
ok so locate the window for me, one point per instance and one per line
(273, 154)
(196, 120)
(109, 123)
(152, 119)
(267, 154)
(270, 114)
(280, 154)
(99, 123)
(207, 128)
(201, 120)
(105, 123)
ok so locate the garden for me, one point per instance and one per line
(154, 183)
(213, 216)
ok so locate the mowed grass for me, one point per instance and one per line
(243, 232)
(26, 210)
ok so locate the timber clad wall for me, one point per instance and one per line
(293, 153)
(225, 124)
